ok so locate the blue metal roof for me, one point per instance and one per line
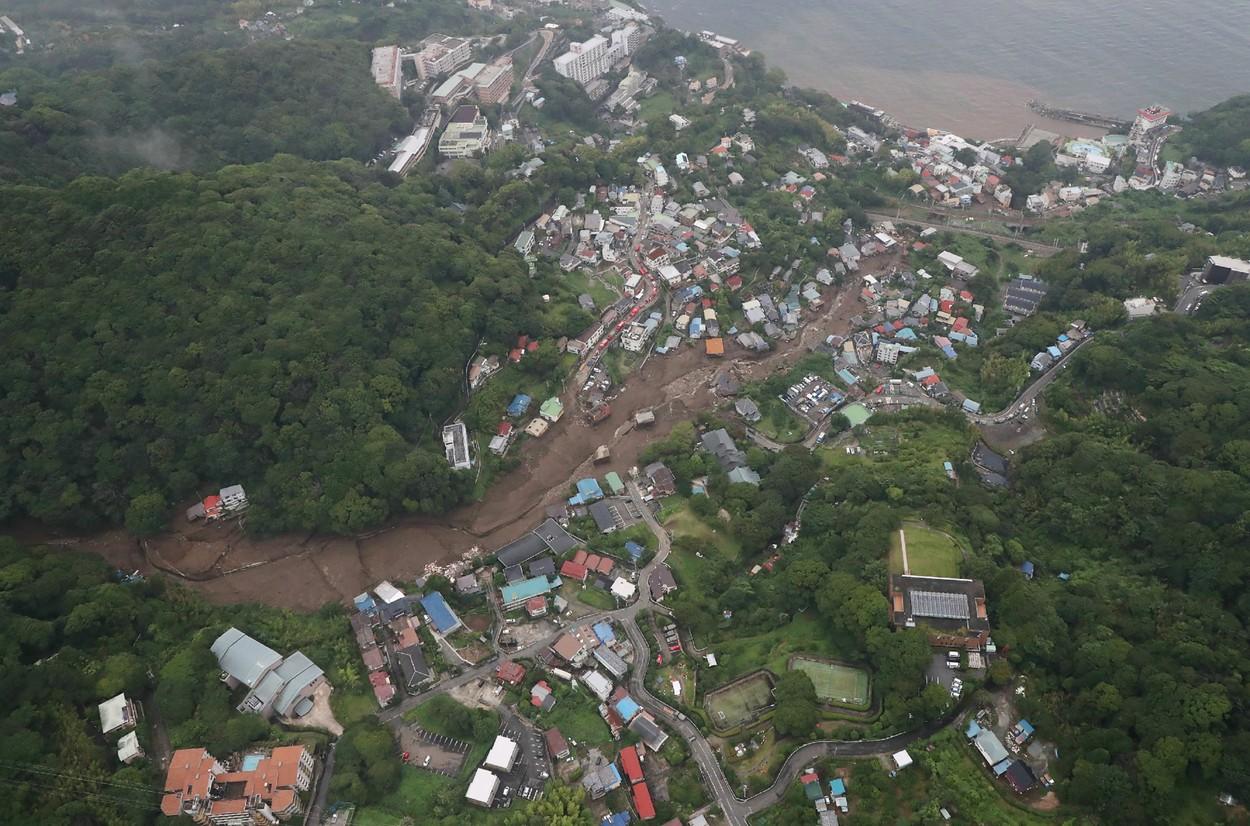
(1027, 568)
(836, 786)
(603, 630)
(1025, 726)
(616, 819)
(444, 619)
(627, 708)
(365, 604)
(974, 728)
(518, 592)
(633, 549)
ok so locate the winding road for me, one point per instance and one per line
(736, 810)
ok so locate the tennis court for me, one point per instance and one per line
(835, 684)
(739, 701)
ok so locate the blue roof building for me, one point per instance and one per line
(520, 404)
(847, 376)
(1054, 351)
(515, 594)
(971, 406)
(1026, 568)
(837, 787)
(627, 708)
(616, 819)
(633, 549)
(603, 630)
(365, 604)
(974, 728)
(588, 491)
(441, 616)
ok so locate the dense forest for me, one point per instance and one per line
(198, 111)
(300, 328)
(1220, 134)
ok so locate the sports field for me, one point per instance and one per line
(739, 702)
(929, 552)
(835, 684)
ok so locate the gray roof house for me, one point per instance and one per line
(278, 685)
(721, 445)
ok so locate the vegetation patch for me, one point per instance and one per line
(740, 701)
(929, 552)
(836, 684)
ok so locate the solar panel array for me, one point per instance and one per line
(942, 606)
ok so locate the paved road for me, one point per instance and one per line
(323, 787)
(1192, 296)
(735, 810)
(1035, 246)
(1025, 399)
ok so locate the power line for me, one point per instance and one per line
(48, 788)
(49, 772)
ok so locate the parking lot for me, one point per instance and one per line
(531, 771)
(939, 672)
(432, 752)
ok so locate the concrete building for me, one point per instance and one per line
(1221, 269)
(264, 789)
(482, 788)
(388, 70)
(585, 61)
(441, 54)
(278, 685)
(466, 135)
(456, 446)
(1147, 120)
(410, 151)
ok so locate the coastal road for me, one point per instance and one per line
(1035, 246)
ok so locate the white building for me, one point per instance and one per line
(456, 446)
(502, 755)
(1171, 177)
(466, 135)
(1147, 120)
(116, 714)
(388, 70)
(598, 684)
(410, 151)
(585, 61)
(441, 54)
(482, 788)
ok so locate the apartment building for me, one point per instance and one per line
(466, 135)
(585, 61)
(257, 788)
(388, 70)
(441, 54)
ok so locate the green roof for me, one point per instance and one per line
(552, 409)
(518, 592)
(614, 482)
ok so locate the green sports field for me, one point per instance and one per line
(739, 702)
(929, 552)
(835, 684)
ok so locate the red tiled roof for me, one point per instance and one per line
(605, 565)
(642, 802)
(532, 346)
(510, 672)
(573, 570)
(504, 428)
(556, 744)
(929, 381)
(592, 562)
(579, 557)
(630, 764)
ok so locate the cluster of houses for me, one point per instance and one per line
(731, 459)
(549, 412)
(119, 716)
(1005, 761)
(1064, 343)
(828, 798)
(397, 663)
(954, 172)
(228, 502)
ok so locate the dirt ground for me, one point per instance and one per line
(446, 755)
(303, 572)
(321, 716)
(475, 696)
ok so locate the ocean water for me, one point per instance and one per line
(970, 66)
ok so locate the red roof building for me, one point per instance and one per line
(532, 346)
(631, 765)
(642, 802)
(579, 556)
(964, 295)
(557, 746)
(510, 672)
(505, 429)
(515, 354)
(536, 606)
(592, 562)
(606, 563)
(946, 306)
(572, 570)
(212, 506)
(929, 381)
(734, 282)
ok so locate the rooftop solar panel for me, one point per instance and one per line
(942, 606)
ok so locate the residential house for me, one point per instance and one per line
(117, 714)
